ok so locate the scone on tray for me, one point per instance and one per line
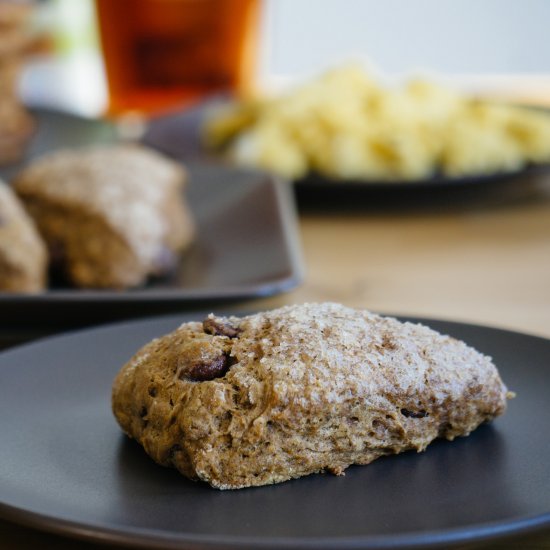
(17, 39)
(111, 215)
(240, 402)
(23, 256)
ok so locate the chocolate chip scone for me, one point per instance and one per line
(23, 258)
(298, 390)
(111, 215)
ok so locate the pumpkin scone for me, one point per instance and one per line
(240, 402)
(111, 215)
(23, 257)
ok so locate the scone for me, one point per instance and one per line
(23, 258)
(298, 390)
(111, 215)
(16, 128)
(17, 38)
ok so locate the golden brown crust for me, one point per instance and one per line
(299, 390)
(16, 40)
(23, 259)
(112, 215)
(16, 125)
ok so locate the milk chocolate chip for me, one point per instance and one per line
(413, 414)
(209, 369)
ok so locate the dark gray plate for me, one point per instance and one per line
(65, 466)
(246, 245)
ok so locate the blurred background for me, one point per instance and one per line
(445, 250)
(489, 46)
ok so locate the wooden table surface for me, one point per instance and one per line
(480, 258)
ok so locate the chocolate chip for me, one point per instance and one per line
(202, 371)
(143, 412)
(152, 391)
(173, 450)
(219, 327)
(414, 414)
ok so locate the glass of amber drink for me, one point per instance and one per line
(161, 54)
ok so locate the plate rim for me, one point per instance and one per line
(150, 538)
(319, 182)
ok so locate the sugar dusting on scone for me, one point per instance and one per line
(240, 402)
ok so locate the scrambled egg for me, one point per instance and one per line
(345, 125)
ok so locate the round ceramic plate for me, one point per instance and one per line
(66, 467)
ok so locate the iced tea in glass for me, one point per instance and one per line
(161, 54)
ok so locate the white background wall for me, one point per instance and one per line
(446, 36)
